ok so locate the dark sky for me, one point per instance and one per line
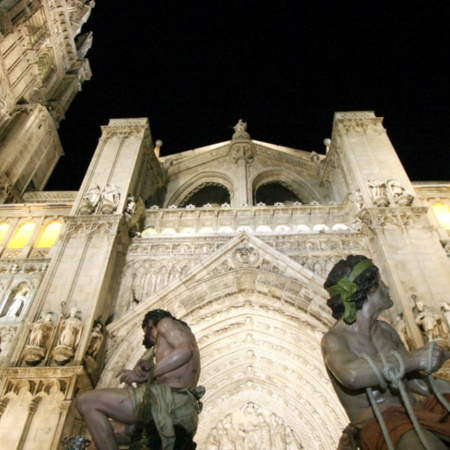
(195, 67)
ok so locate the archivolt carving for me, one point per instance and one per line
(258, 348)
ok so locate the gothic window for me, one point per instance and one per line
(49, 235)
(22, 235)
(275, 192)
(4, 227)
(208, 193)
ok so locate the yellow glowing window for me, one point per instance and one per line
(22, 235)
(4, 227)
(49, 236)
(442, 212)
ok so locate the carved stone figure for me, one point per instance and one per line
(240, 126)
(93, 195)
(240, 131)
(18, 302)
(110, 198)
(95, 341)
(41, 331)
(70, 330)
(399, 194)
(38, 340)
(377, 191)
(90, 200)
(402, 330)
(427, 321)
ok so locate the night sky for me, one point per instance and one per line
(284, 67)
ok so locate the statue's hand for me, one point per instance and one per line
(431, 357)
(130, 376)
(143, 366)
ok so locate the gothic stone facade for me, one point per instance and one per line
(236, 239)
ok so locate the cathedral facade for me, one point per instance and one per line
(235, 238)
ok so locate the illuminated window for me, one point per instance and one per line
(4, 227)
(22, 235)
(50, 234)
(442, 212)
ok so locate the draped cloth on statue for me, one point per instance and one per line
(166, 407)
(430, 413)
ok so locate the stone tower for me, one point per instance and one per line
(42, 68)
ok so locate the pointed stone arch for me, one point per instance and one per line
(259, 326)
(198, 182)
(290, 180)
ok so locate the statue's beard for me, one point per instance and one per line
(147, 342)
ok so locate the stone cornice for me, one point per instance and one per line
(42, 372)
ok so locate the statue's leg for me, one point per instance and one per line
(97, 407)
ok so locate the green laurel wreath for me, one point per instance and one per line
(347, 289)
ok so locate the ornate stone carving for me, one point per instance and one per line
(110, 199)
(240, 131)
(90, 200)
(398, 192)
(252, 427)
(16, 304)
(402, 330)
(70, 330)
(427, 321)
(245, 256)
(39, 340)
(377, 190)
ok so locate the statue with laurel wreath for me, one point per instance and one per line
(374, 375)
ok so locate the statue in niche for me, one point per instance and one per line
(41, 331)
(135, 215)
(18, 302)
(110, 198)
(427, 321)
(402, 330)
(399, 194)
(38, 340)
(95, 340)
(90, 200)
(377, 191)
(70, 330)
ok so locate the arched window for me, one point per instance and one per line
(22, 235)
(275, 192)
(214, 194)
(4, 227)
(49, 235)
(442, 212)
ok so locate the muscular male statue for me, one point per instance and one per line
(166, 393)
(358, 346)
